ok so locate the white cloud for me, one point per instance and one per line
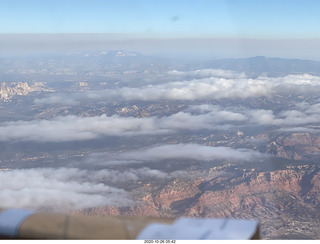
(208, 84)
(284, 118)
(132, 174)
(71, 128)
(189, 151)
(57, 189)
(199, 117)
(195, 89)
(64, 189)
(58, 99)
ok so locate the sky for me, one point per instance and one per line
(167, 18)
(209, 22)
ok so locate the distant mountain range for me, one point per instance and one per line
(256, 66)
(253, 67)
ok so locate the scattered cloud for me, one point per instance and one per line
(58, 99)
(196, 117)
(207, 84)
(73, 128)
(284, 118)
(189, 151)
(64, 189)
(132, 174)
(57, 189)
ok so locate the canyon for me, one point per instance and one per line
(285, 201)
(250, 135)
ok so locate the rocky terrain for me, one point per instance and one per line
(56, 141)
(286, 201)
(296, 146)
(8, 91)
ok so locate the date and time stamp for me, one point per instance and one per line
(159, 241)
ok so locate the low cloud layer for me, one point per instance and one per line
(64, 189)
(73, 128)
(57, 189)
(208, 84)
(136, 174)
(303, 114)
(190, 151)
(198, 117)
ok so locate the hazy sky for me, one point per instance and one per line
(201, 18)
(290, 21)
